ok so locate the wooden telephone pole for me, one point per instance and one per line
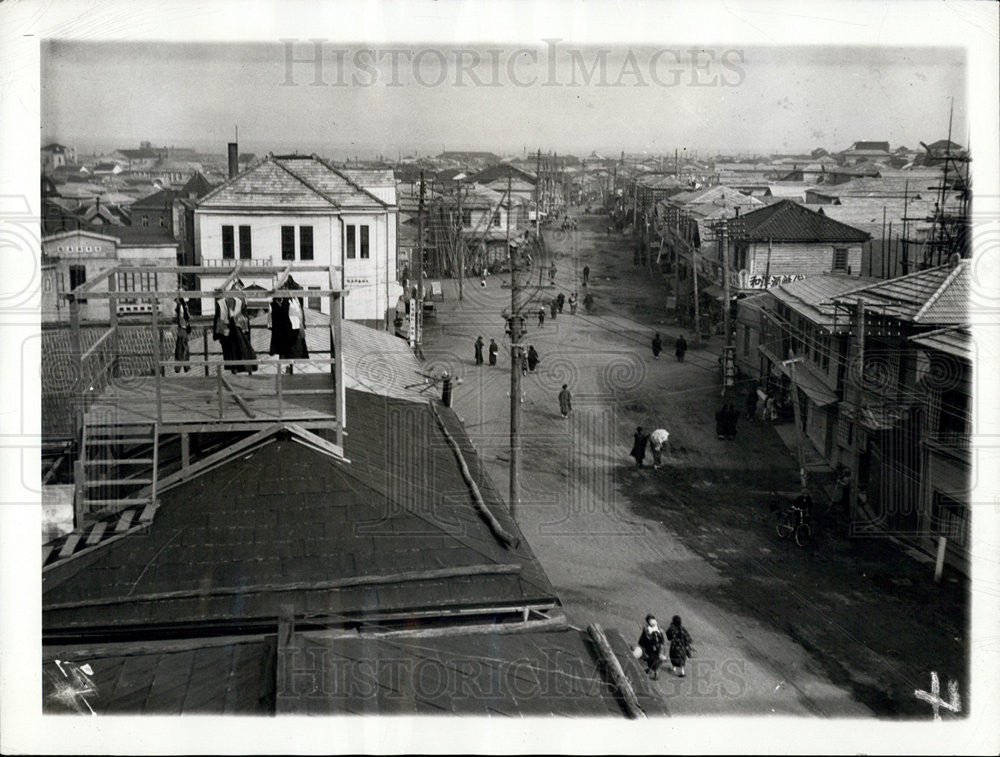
(799, 437)
(419, 315)
(515, 372)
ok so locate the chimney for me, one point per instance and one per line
(234, 159)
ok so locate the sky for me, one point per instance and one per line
(548, 95)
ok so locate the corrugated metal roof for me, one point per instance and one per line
(934, 297)
(286, 524)
(952, 340)
(788, 221)
(814, 297)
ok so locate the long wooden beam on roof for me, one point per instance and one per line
(490, 569)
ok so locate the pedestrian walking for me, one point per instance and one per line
(494, 348)
(650, 646)
(479, 350)
(657, 443)
(572, 304)
(680, 645)
(732, 416)
(552, 274)
(770, 409)
(541, 316)
(560, 301)
(639, 441)
(657, 346)
(553, 307)
(532, 358)
(842, 489)
(565, 401)
(588, 301)
(523, 359)
(680, 347)
(586, 275)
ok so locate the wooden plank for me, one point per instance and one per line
(119, 461)
(239, 400)
(46, 551)
(148, 511)
(97, 532)
(124, 501)
(125, 521)
(225, 591)
(118, 481)
(69, 546)
(614, 667)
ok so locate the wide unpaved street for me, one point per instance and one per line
(842, 628)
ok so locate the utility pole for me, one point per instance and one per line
(725, 285)
(694, 283)
(538, 187)
(800, 439)
(460, 245)
(419, 315)
(515, 374)
(856, 429)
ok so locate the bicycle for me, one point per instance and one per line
(794, 521)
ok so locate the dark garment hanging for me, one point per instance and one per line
(240, 347)
(221, 329)
(286, 342)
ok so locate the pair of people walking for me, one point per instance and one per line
(652, 642)
(494, 348)
(656, 441)
(725, 422)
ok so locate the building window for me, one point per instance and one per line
(288, 243)
(314, 303)
(466, 218)
(244, 242)
(496, 219)
(364, 242)
(351, 252)
(145, 220)
(163, 222)
(305, 242)
(228, 249)
(840, 259)
(77, 276)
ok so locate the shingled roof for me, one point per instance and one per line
(932, 297)
(393, 531)
(788, 221)
(291, 182)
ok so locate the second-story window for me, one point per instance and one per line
(351, 242)
(228, 248)
(288, 243)
(840, 259)
(244, 242)
(305, 242)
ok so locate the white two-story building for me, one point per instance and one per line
(299, 209)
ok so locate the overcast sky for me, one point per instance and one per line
(550, 95)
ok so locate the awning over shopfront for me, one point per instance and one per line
(810, 384)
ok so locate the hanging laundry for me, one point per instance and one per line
(239, 331)
(286, 320)
(182, 351)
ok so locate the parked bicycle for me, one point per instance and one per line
(794, 521)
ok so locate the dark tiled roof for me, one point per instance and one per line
(198, 185)
(951, 340)
(507, 675)
(814, 296)
(788, 221)
(500, 171)
(136, 236)
(161, 200)
(291, 182)
(232, 678)
(258, 531)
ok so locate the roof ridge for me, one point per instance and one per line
(884, 282)
(290, 172)
(949, 279)
(349, 180)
